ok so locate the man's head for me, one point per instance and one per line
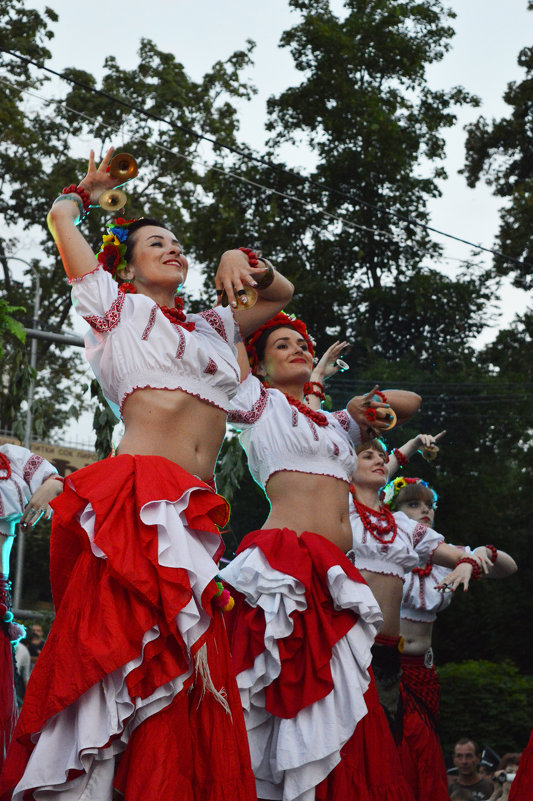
(37, 630)
(466, 756)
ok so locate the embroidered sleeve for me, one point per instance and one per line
(344, 420)
(249, 403)
(96, 298)
(425, 542)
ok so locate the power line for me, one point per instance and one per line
(264, 162)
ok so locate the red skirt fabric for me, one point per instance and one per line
(522, 786)
(8, 706)
(420, 750)
(133, 557)
(301, 633)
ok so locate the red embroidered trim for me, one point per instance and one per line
(5, 467)
(111, 318)
(21, 497)
(343, 418)
(80, 278)
(294, 418)
(171, 389)
(313, 429)
(2, 509)
(31, 467)
(150, 324)
(335, 449)
(317, 417)
(213, 318)
(253, 415)
(383, 523)
(211, 367)
(419, 533)
(181, 347)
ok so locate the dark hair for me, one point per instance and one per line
(465, 741)
(415, 492)
(260, 343)
(371, 445)
(134, 227)
(508, 759)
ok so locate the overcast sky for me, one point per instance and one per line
(489, 36)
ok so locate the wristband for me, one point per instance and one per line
(476, 569)
(309, 389)
(267, 278)
(493, 553)
(401, 458)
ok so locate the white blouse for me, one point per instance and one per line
(28, 471)
(132, 345)
(421, 601)
(276, 436)
(413, 545)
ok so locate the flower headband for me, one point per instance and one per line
(390, 491)
(279, 320)
(113, 248)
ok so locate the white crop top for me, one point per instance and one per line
(132, 345)
(421, 602)
(276, 436)
(28, 471)
(413, 545)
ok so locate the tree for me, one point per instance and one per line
(501, 153)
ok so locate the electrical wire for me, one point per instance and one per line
(264, 162)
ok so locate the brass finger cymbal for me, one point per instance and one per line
(249, 292)
(123, 166)
(112, 200)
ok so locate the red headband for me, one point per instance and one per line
(279, 320)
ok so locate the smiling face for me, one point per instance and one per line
(286, 359)
(157, 260)
(371, 470)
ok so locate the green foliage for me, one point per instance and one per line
(500, 153)
(489, 701)
(104, 422)
(8, 324)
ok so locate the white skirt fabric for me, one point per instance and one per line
(292, 755)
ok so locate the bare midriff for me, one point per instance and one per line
(173, 424)
(306, 502)
(417, 637)
(388, 592)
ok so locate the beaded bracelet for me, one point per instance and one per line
(251, 256)
(79, 190)
(400, 457)
(476, 568)
(493, 553)
(309, 389)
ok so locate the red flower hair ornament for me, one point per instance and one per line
(279, 320)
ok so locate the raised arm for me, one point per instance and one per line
(234, 272)
(76, 254)
(409, 448)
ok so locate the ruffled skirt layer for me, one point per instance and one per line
(420, 749)
(301, 633)
(521, 788)
(133, 558)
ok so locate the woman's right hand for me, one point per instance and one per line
(98, 180)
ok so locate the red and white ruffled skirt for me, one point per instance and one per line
(115, 699)
(301, 633)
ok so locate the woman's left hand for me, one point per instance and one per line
(233, 274)
(483, 556)
(461, 574)
(38, 505)
(327, 366)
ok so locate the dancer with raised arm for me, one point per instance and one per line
(420, 748)
(27, 484)
(134, 690)
(304, 621)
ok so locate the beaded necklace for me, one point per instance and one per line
(422, 572)
(383, 523)
(175, 314)
(317, 417)
(5, 467)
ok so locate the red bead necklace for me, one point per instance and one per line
(5, 467)
(379, 523)
(176, 314)
(317, 417)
